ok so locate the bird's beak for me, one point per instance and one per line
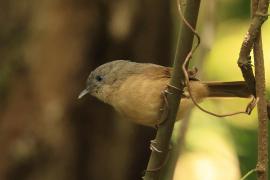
(83, 93)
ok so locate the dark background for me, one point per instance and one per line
(47, 50)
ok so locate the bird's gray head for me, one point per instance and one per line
(104, 79)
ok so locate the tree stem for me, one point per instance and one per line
(262, 164)
(158, 157)
(262, 161)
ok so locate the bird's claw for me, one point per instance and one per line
(251, 105)
(192, 73)
(166, 91)
(153, 147)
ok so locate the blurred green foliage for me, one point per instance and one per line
(229, 9)
(245, 141)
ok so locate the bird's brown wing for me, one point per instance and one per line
(157, 71)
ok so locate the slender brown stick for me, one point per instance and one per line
(179, 146)
(262, 162)
(244, 60)
(160, 145)
(254, 6)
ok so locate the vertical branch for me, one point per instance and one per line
(262, 161)
(180, 142)
(161, 143)
(244, 60)
(262, 164)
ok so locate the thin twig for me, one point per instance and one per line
(162, 140)
(262, 162)
(248, 174)
(180, 142)
(244, 60)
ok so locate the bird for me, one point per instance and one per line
(136, 90)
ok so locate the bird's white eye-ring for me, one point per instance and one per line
(98, 78)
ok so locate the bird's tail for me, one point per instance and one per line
(228, 89)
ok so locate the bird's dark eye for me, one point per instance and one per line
(99, 78)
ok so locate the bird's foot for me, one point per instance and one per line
(153, 146)
(192, 73)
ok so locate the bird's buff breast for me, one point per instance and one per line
(140, 99)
